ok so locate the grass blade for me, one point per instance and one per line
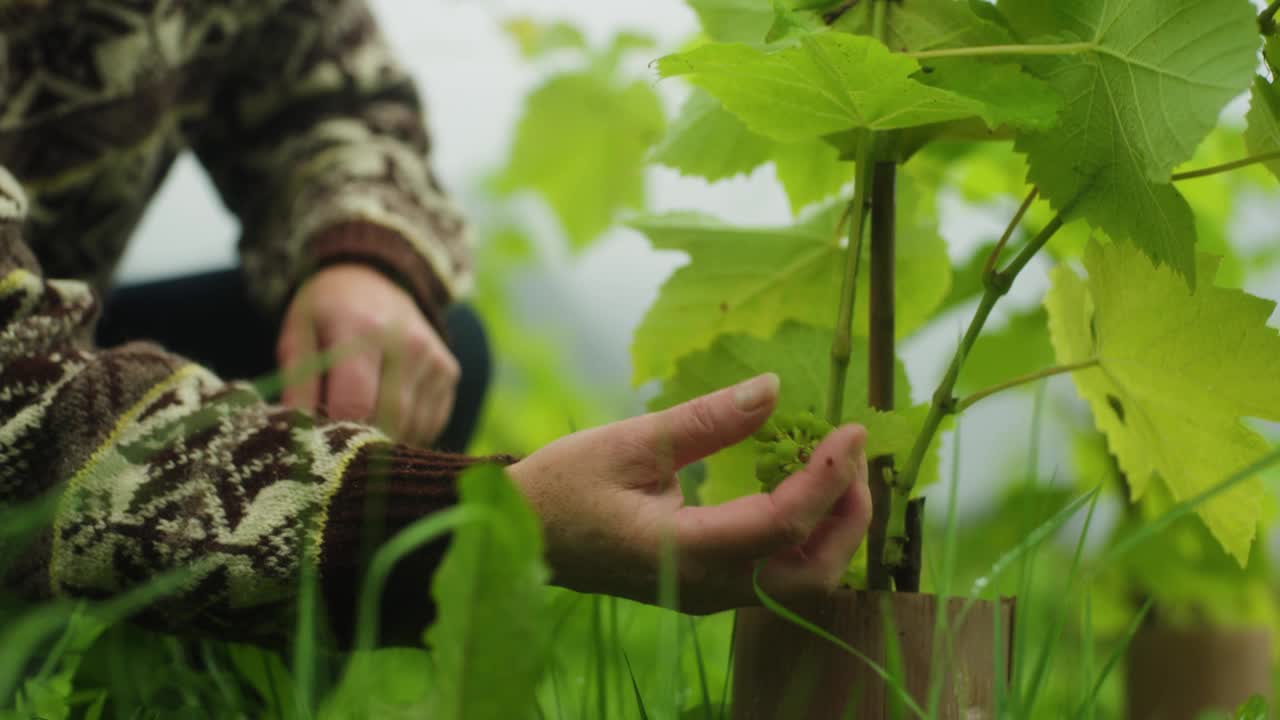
(728, 675)
(406, 541)
(304, 642)
(635, 687)
(1037, 536)
(1184, 508)
(598, 651)
(24, 637)
(941, 624)
(702, 670)
(1086, 641)
(778, 609)
(1045, 660)
(1028, 564)
(1090, 702)
(669, 636)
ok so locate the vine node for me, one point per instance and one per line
(945, 401)
(997, 283)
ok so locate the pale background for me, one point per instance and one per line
(474, 83)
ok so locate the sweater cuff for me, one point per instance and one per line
(390, 253)
(384, 490)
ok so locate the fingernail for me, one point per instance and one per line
(756, 392)
(855, 459)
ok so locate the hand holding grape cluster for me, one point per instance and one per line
(786, 441)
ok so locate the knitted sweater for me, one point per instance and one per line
(314, 138)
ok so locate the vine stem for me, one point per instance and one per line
(944, 403)
(1027, 379)
(842, 343)
(1228, 167)
(1267, 19)
(994, 258)
(989, 50)
(881, 321)
(881, 358)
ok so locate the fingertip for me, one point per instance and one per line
(758, 394)
(857, 433)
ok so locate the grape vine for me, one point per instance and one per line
(883, 92)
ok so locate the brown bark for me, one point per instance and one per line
(881, 359)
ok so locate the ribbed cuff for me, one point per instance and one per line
(391, 254)
(385, 489)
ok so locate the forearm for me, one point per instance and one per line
(328, 159)
(158, 466)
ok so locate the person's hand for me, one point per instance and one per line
(609, 499)
(393, 368)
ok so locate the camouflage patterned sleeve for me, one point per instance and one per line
(316, 140)
(158, 466)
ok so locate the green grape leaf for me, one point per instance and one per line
(735, 20)
(1139, 100)
(1187, 571)
(1263, 133)
(492, 633)
(737, 280)
(1011, 97)
(810, 172)
(586, 165)
(1255, 708)
(826, 84)
(800, 355)
(536, 39)
(923, 25)
(931, 24)
(1177, 373)
(787, 22)
(751, 280)
(709, 142)
(1216, 201)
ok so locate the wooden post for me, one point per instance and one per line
(1179, 673)
(782, 671)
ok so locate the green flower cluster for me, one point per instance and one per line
(785, 443)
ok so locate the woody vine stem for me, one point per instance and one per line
(874, 192)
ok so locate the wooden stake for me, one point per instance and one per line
(820, 681)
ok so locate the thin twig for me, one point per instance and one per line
(1027, 379)
(944, 401)
(993, 260)
(1228, 167)
(1267, 19)
(842, 342)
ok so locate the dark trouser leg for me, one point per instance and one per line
(210, 319)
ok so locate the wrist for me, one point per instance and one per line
(386, 252)
(525, 476)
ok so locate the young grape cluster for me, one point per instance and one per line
(785, 443)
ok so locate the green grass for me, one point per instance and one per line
(609, 658)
